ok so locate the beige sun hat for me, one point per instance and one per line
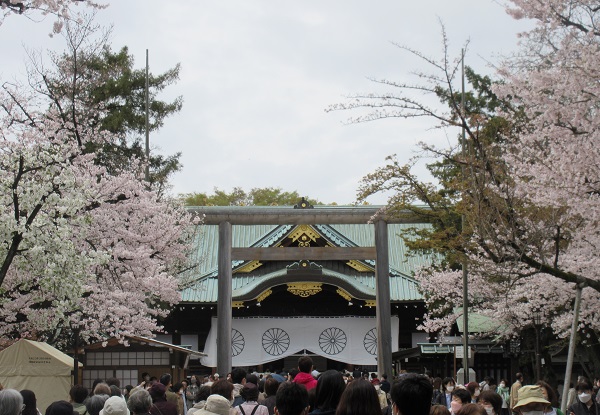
(530, 394)
(215, 405)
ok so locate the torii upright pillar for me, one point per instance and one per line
(224, 312)
(382, 292)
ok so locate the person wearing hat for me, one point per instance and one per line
(215, 405)
(584, 405)
(115, 405)
(531, 401)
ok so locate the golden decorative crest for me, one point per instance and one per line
(304, 234)
(370, 303)
(304, 289)
(237, 304)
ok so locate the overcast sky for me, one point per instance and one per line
(258, 75)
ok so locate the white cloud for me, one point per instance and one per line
(257, 76)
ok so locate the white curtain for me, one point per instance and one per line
(263, 339)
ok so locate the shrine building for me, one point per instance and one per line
(332, 282)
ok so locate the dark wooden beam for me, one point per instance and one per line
(308, 253)
(267, 215)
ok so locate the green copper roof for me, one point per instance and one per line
(402, 266)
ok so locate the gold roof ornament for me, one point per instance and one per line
(359, 266)
(264, 295)
(249, 267)
(345, 295)
(304, 234)
(305, 289)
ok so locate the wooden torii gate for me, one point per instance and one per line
(301, 214)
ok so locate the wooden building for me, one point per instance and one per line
(127, 362)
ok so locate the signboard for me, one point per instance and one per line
(459, 352)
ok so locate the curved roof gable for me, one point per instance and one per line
(203, 286)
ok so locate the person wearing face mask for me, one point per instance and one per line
(445, 397)
(504, 393)
(531, 401)
(474, 389)
(460, 397)
(584, 405)
(490, 401)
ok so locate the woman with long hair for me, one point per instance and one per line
(30, 403)
(330, 387)
(359, 398)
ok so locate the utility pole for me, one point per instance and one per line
(463, 224)
(147, 175)
(572, 342)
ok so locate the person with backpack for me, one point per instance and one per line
(250, 406)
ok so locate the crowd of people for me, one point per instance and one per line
(500, 399)
(304, 391)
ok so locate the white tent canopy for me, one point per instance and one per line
(38, 367)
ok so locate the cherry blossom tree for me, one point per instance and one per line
(62, 9)
(79, 243)
(526, 183)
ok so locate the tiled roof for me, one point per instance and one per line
(402, 265)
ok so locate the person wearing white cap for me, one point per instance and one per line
(115, 405)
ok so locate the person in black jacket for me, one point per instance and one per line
(385, 385)
(445, 397)
(584, 405)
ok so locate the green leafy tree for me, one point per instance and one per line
(110, 97)
(267, 196)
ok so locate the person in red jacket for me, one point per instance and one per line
(305, 365)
